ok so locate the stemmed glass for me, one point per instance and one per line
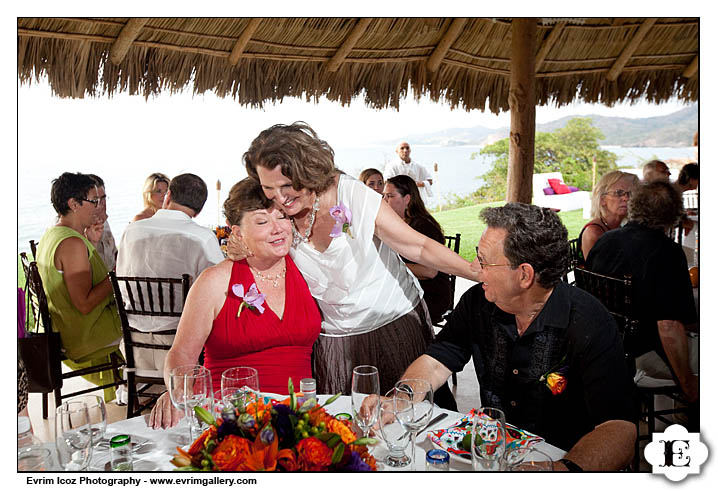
(73, 435)
(393, 432)
(98, 417)
(365, 383)
(190, 386)
(488, 440)
(528, 459)
(240, 385)
(414, 405)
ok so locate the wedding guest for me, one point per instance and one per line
(153, 195)
(75, 278)
(373, 179)
(105, 245)
(405, 165)
(609, 207)
(655, 170)
(344, 243)
(688, 177)
(272, 331)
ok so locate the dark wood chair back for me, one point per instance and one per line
(33, 249)
(453, 242)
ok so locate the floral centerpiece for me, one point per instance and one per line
(276, 436)
(222, 232)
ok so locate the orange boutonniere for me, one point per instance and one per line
(555, 378)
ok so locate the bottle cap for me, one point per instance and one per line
(436, 456)
(23, 424)
(119, 441)
(308, 384)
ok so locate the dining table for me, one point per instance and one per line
(154, 449)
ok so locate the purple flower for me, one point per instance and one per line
(343, 219)
(252, 299)
(283, 424)
(266, 435)
(356, 464)
(246, 421)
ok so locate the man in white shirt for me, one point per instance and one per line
(168, 244)
(407, 167)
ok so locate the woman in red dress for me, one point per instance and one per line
(275, 336)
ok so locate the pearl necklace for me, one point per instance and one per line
(273, 278)
(296, 238)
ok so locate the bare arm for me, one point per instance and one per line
(608, 447)
(71, 258)
(204, 301)
(417, 247)
(422, 272)
(589, 238)
(675, 344)
(428, 368)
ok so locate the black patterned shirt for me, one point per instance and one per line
(572, 330)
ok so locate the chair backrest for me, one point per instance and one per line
(453, 242)
(616, 294)
(33, 249)
(36, 298)
(574, 260)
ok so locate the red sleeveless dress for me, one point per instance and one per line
(276, 348)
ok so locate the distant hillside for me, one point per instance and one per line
(673, 130)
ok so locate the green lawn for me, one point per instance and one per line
(466, 222)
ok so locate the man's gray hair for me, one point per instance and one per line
(657, 205)
(534, 235)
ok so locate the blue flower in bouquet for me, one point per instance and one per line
(266, 435)
(246, 421)
(356, 464)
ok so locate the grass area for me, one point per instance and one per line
(466, 222)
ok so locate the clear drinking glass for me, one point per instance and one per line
(33, 458)
(98, 417)
(365, 383)
(73, 435)
(190, 386)
(414, 404)
(528, 459)
(393, 432)
(244, 381)
(488, 440)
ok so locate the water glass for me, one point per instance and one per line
(488, 440)
(98, 416)
(121, 453)
(245, 383)
(73, 435)
(191, 386)
(529, 459)
(34, 459)
(365, 383)
(414, 399)
(393, 432)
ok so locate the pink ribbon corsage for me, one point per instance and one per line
(252, 299)
(343, 219)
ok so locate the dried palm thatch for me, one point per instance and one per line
(464, 62)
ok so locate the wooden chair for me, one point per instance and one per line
(452, 242)
(147, 297)
(33, 249)
(574, 260)
(617, 295)
(37, 302)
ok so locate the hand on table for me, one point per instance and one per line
(164, 415)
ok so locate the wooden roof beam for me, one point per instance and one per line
(127, 36)
(548, 44)
(630, 48)
(452, 33)
(348, 44)
(243, 40)
(691, 69)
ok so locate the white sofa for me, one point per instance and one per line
(564, 202)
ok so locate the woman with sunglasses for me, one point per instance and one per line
(153, 195)
(609, 207)
(74, 276)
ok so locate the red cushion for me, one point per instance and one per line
(558, 186)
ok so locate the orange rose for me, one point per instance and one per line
(556, 382)
(313, 455)
(287, 460)
(231, 453)
(342, 429)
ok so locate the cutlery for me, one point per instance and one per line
(433, 421)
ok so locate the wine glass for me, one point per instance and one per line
(98, 417)
(241, 385)
(365, 383)
(414, 400)
(73, 435)
(528, 459)
(190, 386)
(393, 432)
(488, 440)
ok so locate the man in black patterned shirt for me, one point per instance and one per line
(522, 322)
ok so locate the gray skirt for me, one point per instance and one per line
(391, 348)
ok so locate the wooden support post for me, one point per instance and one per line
(457, 25)
(522, 103)
(129, 33)
(348, 45)
(691, 69)
(242, 41)
(630, 48)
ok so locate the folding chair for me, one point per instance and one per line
(147, 297)
(37, 302)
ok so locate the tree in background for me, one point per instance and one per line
(569, 150)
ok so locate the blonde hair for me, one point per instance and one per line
(150, 185)
(604, 184)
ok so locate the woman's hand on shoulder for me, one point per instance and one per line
(237, 249)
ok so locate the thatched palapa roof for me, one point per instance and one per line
(464, 62)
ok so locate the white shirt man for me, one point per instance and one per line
(168, 244)
(407, 167)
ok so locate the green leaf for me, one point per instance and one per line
(205, 416)
(365, 441)
(308, 404)
(338, 453)
(292, 396)
(331, 439)
(331, 399)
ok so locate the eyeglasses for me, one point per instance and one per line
(486, 265)
(619, 193)
(93, 201)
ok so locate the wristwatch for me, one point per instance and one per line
(571, 465)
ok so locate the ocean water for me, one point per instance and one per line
(457, 173)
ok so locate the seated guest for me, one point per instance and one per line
(78, 290)
(402, 195)
(105, 243)
(373, 179)
(168, 244)
(521, 323)
(609, 207)
(655, 170)
(664, 301)
(276, 335)
(688, 177)
(153, 194)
